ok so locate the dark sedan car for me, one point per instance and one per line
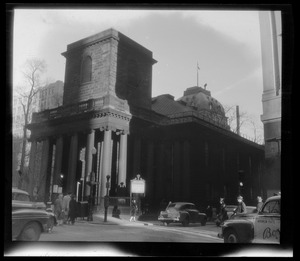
(182, 212)
(25, 211)
(28, 224)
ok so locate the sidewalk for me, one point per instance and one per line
(144, 220)
(98, 218)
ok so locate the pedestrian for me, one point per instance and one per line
(133, 210)
(116, 212)
(209, 213)
(72, 209)
(259, 203)
(241, 208)
(66, 201)
(58, 209)
(138, 177)
(222, 215)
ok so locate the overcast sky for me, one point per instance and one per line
(226, 45)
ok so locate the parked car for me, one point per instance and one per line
(261, 227)
(29, 223)
(21, 200)
(182, 212)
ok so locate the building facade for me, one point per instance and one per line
(48, 97)
(51, 96)
(270, 31)
(110, 125)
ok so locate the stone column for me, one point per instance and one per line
(89, 158)
(71, 184)
(123, 159)
(137, 156)
(32, 166)
(150, 180)
(58, 159)
(186, 170)
(106, 162)
(177, 185)
(160, 177)
(44, 169)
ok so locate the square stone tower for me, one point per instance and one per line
(108, 64)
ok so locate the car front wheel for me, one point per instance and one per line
(185, 222)
(31, 232)
(230, 236)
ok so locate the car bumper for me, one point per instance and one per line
(166, 219)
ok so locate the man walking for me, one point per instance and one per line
(241, 208)
(66, 201)
(259, 203)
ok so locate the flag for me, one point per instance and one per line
(198, 66)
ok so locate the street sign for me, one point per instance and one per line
(137, 186)
(82, 154)
(55, 188)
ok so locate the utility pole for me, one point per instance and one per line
(237, 120)
(197, 74)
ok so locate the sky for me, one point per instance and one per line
(225, 44)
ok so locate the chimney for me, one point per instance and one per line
(237, 120)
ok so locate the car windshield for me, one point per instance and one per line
(180, 206)
(230, 208)
(21, 197)
(272, 207)
(187, 206)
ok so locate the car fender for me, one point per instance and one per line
(243, 228)
(184, 215)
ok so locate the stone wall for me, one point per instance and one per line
(75, 91)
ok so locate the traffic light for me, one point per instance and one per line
(241, 174)
(60, 181)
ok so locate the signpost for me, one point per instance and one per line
(138, 188)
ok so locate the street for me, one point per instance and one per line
(124, 231)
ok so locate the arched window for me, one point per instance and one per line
(86, 69)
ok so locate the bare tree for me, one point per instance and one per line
(247, 122)
(32, 75)
(230, 112)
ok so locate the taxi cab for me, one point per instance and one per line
(262, 227)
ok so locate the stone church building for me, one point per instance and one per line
(109, 124)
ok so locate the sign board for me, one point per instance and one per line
(55, 188)
(137, 186)
(82, 154)
(59, 190)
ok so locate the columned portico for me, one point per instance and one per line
(32, 166)
(89, 158)
(58, 159)
(44, 167)
(123, 158)
(106, 162)
(72, 163)
(186, 170)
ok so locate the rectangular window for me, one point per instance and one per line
(206, 153)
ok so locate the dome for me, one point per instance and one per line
(200, 99)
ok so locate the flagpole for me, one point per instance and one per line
(197, 74)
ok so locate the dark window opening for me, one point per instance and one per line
(86, 70)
